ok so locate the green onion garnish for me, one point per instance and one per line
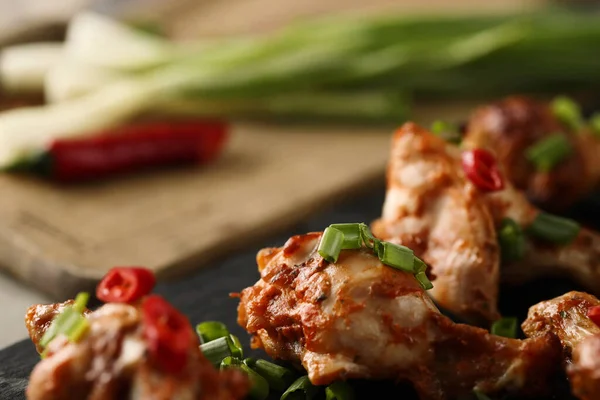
(595, 124)
(339, 391)
(352, 235)
(278, 377)
(301, 389)
(397, 256)
(549, 152)
(81, 301)
(506, 327)
(419, 265)
(567, 111)
(512, 240)
(480, 396)
(367, 236)
(259, 387)
(447, 131)
(217, 350)
(237, 350)
(211, 330)
(424, 280)
(70, 322)
(331, 244)
(553, 228)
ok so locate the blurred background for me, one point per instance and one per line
(171, 133)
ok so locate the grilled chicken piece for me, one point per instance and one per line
(357, 318)
(110, 362)
(513, 124)
(566, 317)
(431, 207)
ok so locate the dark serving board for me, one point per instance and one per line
(205, 295)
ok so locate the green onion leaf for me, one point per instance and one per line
(352, 235)
(512, 240)
(553, 228)
(447, 131)
(237, 350)
(595, 124)
(567, 111)
(419, 265)
(549, 152)
(278, 377)
(81, 301)
(424, 280)
(301, 389)
(378, 247)
(397, 256)
(367, 236)
(331, 244)
(339, 391)
(259, 387)
(70, 322)
(480, 396)
(217, 350)
(506, 327)
(211, 330)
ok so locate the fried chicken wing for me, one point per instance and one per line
(566, 317)
(433, 208)
(511, 126)
(357, 318)
(111, 362)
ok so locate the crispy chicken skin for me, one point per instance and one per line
(432, 208)
(566, 317)
(111, 362)
(357, 318)
(511, 125)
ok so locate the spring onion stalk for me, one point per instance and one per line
(506, 327)
(419, 265)
(367, 237)
(81, 301)
(554, 229)
(595, 124)
(237, 350)
(259, 387)
(447, 131)
(397, 256)
(301, 389)
(217, 350)
(70, 322)
(512, 241)
(423, 280)
(567, 111)
(331, 244)
(549, 152)
(339, 391)
(352, 236)
(278, 377)
(211, 330)
(23, 68)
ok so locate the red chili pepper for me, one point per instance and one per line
(481, 168)
(135, 147)
(125, 285)
(168, 334)
(593, 313)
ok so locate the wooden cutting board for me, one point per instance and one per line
(62, 239)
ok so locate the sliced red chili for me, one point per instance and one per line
(481, 168)
(125, 285)
(168, 334)
(593, 313)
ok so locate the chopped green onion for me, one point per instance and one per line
(211, 330)
(367, 236)
(79, 329)
(424, 280)
(301, 389)
(378, 248)
(595, 124)
(447, 131)
(567, 111)
(331, 244)
(506, 327)
(352, 236)
(549, 152)
(81, 301)
(339, 391)
(480, 396)
(217, 350)
(553, 228)
(512, 240)
(419, 265)
(237, 350)
(70, 322)
(259, 387)
(397, 256)
(278, 377)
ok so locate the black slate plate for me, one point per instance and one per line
(204, 296)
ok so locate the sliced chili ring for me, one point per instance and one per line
(481, 168)
(168, 334)
(125, 285)
(593, 313)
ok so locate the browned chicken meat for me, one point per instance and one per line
(567, 318)
(433, 208)
(511, 126)
(111, 362)
(357, 318)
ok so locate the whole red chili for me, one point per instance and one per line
(482, 170)
(593, 313)
(134, 147)
(125, 285)
(168, 334)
